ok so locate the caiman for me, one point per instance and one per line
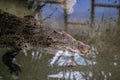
(21, 34)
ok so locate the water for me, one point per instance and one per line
(102, 36)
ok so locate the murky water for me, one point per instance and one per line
(101, 31)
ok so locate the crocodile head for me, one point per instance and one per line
(84, 48)
(53, 40)
(22, 32)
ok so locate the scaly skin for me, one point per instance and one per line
(25, 33)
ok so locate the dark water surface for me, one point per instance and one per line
(100, 29)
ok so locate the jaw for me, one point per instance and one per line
(84, 49)
(63, 50)
(61, 56)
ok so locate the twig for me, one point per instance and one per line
(50, 15)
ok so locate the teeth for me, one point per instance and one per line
(33, 54)
(61, 61)
(25, 52)
(62, 57)
(55, 58)
(37, 53)
(39, 56)
(109, 74)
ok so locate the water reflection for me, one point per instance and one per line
(104, 34)
(63, 59)
(70, 75)
(0, 77)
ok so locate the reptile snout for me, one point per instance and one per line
(85, 49)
